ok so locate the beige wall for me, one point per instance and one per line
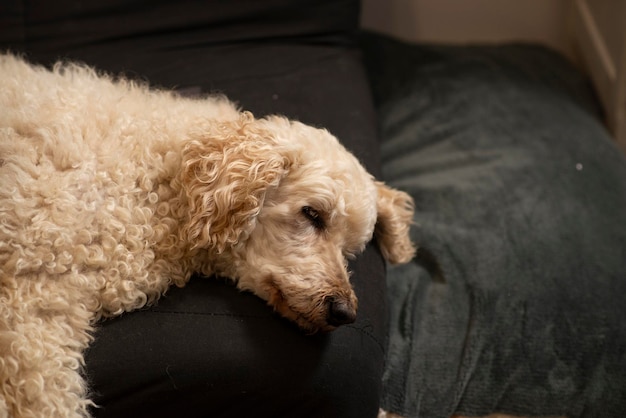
(462, 21)
(592, 33)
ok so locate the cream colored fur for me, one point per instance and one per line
(110, 193)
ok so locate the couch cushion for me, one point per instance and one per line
(86, 29)
(522, 194)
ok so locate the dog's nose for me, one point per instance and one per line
(340, 313)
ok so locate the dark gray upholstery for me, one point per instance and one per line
(522, 194)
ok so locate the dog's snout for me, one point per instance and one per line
(340, 312)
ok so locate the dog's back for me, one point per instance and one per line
(67, 163)
(87, 167)
(86, 172)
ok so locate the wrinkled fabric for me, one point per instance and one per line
(521, 193)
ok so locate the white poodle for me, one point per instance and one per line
(110, 193)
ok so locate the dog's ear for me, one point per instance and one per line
(225, 175)
(395, 216)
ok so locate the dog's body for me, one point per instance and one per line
(110, 193)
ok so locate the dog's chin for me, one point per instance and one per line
(308, 325)
(307, 322)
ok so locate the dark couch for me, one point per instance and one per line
(518, 190)
(207, 349)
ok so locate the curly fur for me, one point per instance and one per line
(111, 192)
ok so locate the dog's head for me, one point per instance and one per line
(280, 207)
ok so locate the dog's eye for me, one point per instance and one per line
(314, 217)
